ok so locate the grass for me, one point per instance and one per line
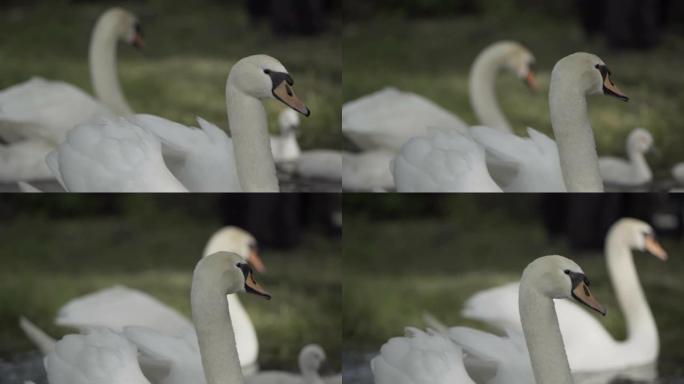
(182, 71)
(432, 57)
(397, 269)
(47, 261)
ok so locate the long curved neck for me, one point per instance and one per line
(483, 92)
(574, 137)
(214, 331)
(251, 142)
(103, 73)
(639, 163)
(642, 332)
(543, 337)
(310, 375)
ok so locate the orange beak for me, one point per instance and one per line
(251, 286)
(531, 81)
(583, 294)
(653, 247)
(612, 90)
(138, 41)
(255, 261)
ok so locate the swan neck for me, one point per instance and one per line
(574, 137)
(251, 142)
(641, 326)
(542, 335)
(103, 71)
(483, 92)
(638, 161)
(215, 333)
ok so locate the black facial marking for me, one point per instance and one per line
(604, 70)
(138, 29)
(279, 77)
(244, 267)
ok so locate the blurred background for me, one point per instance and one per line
(190, 47)
(427, 47)
(55, 248)
(404, 255)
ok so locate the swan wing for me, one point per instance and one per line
(166, 358)
(47, 110)
(320, 163)
(119, 306)
(442, 162)
(202, 159)
(419, 358)
(112, 155)
(25, 160)
(100, 356)
(389, 118)
(367, 171)
(522, 164)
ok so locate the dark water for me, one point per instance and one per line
(356, 370)
(25, 366)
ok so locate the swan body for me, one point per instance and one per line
(98, 356)
(38, 113)
(497, 307)
(678, 173)
(313, 164)
(146, 153)
(521, 165)
(388, 118)
(310, 359)
(367, 171)
(150, 320)
(634, 171)
(464, 355)
(442, 162)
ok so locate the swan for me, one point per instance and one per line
(573, 78)
(497, 307)
(311, 357)
(146, 153)
(107, 357)
(388, 118)
(36, 115)
(119, 307)
(535, 356)
(678, 173)
(367, 171)
(633, 172)
(311, 164)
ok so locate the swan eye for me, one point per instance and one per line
(267, 71)
(567, 271)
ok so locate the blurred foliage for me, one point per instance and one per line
(432, 57)
(50, 256)
(397, 269)
(182, 71)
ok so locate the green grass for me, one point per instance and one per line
(182, 71)
(397, 269)
(47, 261)
(432, 57)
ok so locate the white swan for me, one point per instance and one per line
(572, 79)
(497, 307)
(367, 171)
(36, 115)
(431, 358)
(312, 164)
(633, 172)
(678, 173)
(150, 154)
(389, 118)
(118, 307)
(311, 357)
(215, 276)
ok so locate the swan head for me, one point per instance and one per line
(232, 272)
(589, 72)
(638, 235)
(558, 277)
(311, 357)
(288, 121)
(520, 61)
(238, 241)
(126, 26)
(264, 77)
(639, 140)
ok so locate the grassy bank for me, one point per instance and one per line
(48, 261)
(432, 57)
(182, 71)
(396, 269)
